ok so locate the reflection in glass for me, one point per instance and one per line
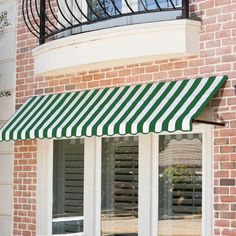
(163, 4)
(180, 185)
(103, 8)
(119, 215)
(68, 184)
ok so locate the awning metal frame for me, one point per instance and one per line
(222, 124)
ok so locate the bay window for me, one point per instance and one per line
(144, 185)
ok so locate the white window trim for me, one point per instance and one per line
(44, 188)
(148, 184)
(92, 190)
(148, 189)
(207, 179)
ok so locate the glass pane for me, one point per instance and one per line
(155, 4)
(180, 185)
(98, 8)
(119, 215)
(68, 184)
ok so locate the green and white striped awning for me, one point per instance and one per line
(153, 107)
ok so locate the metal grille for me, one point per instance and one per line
(52, 19)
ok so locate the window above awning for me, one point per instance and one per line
(153, 107)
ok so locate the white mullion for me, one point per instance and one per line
(147, 210)
(207, 181)
(154, 184)
(144, 179)
(92, 186)
(98, 184)
(44, 188)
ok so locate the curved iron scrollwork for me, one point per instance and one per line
(51, 19)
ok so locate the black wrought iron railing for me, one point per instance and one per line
(52, 19)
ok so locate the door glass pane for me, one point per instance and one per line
(68, 184)
(119, 215)
(180, 185)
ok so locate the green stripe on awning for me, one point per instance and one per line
(154, 107)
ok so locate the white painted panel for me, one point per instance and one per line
(7, 75)
(6, 199)
(6, 147)
(8, 104)
(10, 7)
(7, 45)
(6, 169)
(5, 225)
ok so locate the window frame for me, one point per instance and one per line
(148, 184)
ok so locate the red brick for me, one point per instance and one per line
(146, 77)
(231, 232)
(222, 223)
(196, 62)
(93, 84)
(191, 71)
(160, 76)
(220, 173)
(139, 70)
(86, 78)
(150, 69)
(228, 215)
(227, 165)
(75, 80)
(227, 149)
(227, 132)
(221, 190)
(227, 182)
(222, 2)
(207, 69)
(221, 207)
(166, 67)
(117, 81)
(206, 5)
(233, 223)
(228, 199)
(106, 82)
(132, 79)
(112, 74)
(125, 72)
(229, 58)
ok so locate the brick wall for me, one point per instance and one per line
(217, 56)
(24, 188)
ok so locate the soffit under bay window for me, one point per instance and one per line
(153, 107)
